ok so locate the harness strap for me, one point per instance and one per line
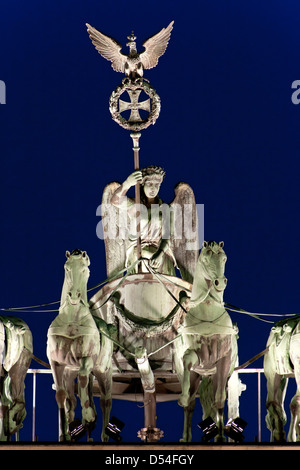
(243, 366)
(232, 308)
(160, 281)
(253, 359)
(39, 361)
(24, 309)
(117, 286)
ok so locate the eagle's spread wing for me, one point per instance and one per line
(108, 48)
(155, 47)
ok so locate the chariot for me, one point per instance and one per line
(147, 315)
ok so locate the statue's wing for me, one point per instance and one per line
(185, 240)
(155, 47)
(114, 231)
(109, 48)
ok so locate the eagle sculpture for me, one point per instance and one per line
(134, 63)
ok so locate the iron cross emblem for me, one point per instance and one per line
(134, 105)
(117, 106)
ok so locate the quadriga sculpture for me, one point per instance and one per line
(281, 362)
(75, 349)
(15, 357)
(209, 341)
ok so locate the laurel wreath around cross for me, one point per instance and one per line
(134, 88)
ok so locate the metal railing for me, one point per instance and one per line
(258, 372)
(34, 373)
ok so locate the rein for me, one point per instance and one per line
(24, 309)
(160, 277)
(253, 359)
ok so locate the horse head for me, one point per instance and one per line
(212, 259)
(209, 274)
(76, 277)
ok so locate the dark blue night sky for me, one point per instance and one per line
(228, 127)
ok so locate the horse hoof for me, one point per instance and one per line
(185, 439)
(65, 438)
(220, 439)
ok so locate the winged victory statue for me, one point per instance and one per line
(169, 233)
(134, 63)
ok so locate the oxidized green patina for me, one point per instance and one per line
(15, 357)
(75, 348)
(210, 340)
(281, 362)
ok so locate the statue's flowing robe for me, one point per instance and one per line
(155, 225)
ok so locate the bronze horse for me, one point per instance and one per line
(76, 349)
(281, 362)
(15, 357)
(209, 341)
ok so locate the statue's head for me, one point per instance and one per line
(152, 179)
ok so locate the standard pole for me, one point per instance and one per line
(135, 138)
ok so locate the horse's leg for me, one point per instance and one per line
(189, 386)
(4, 433)
(187, 424)
(207, 398)
(16, 375)
(219, 383)
(3, 406)
(92, 425)
(104, 380)
(12, 396)
(276, 417)
(3, 411)
(88, 410)
(71, 401)
(294, 431)
(60, 396)
(103, 373)
(190, 358)
(194, 382)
